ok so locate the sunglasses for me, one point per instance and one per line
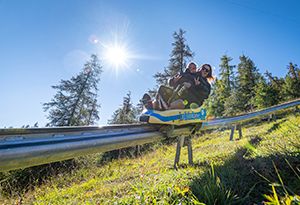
(206, 70)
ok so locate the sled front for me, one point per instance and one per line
(174, 117)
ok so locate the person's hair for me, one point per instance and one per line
(191, 63)
(209, 77)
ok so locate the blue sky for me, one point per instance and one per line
(42, 42)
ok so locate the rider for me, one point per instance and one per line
(186, 77)
(190, 87)
(202, 87)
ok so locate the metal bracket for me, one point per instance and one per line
(167, 130)
(180, 143)
(196, 128)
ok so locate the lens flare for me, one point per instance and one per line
(117, 55)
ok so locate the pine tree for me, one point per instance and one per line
(226, 84)
(293, 70)
(139, 108)
(247, 78)
(221, 89)
(292, 82)
(226, 74)
(277, 86)
(127, 114)
(75, 102)
(232, 106)
(265, 94)
(180, 54)
(213, 104)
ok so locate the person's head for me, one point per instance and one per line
(191, 67)
(206, 72)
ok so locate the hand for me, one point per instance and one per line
(187, 85)
(176, 78)
(197, 81)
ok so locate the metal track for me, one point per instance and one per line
(21, 148)
(249, 116)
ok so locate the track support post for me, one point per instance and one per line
(237, 127)
(138, 150)
(190, 150)
(181, 141)
(272, 117)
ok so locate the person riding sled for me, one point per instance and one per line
(185, 90)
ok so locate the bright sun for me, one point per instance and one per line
(117, 55)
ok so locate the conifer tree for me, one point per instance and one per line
(232, 105)
(127, 114)
(180, 54)
(139, 108)
(292, 82)
(75, 102)
(213, 104)
(277, 86)
(222, 88)
(265, 94)
(226, 75)
(293, 71)
(247, 78)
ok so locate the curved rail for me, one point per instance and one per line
(249, 116)
(21, 148)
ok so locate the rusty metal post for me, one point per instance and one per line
(190, 151)
(178, 149)
(138, 150)
(183, 141)
(239, 128)
(232, 133)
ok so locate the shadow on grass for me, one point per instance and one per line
(279, 117)
(276, 126)
(18, 182)
(244, 180)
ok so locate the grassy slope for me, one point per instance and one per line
(151, 178)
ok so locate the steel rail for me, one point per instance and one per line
(249, 116)
(45, 145)
(21, 148)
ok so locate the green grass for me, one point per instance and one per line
(225, 172)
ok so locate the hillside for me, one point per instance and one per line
(225, 172)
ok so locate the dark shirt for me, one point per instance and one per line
(187, 76)
(194, 94)
(198, 93)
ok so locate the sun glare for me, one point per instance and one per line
(117, 55)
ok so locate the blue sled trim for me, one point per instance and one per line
(201, 115)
